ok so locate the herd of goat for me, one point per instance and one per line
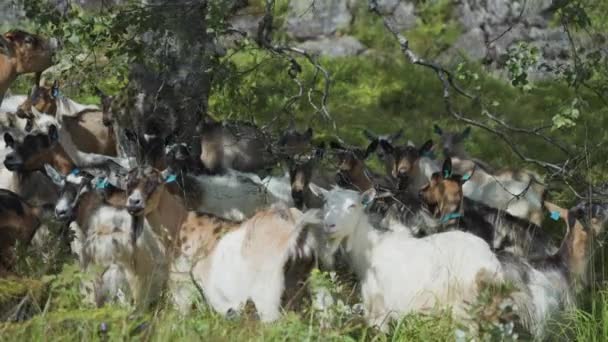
(425, 235)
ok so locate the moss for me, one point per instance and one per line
(13, 288)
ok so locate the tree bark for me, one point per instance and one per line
(168, 90)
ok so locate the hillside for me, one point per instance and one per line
(536, 73)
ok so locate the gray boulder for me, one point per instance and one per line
(387, 6)
(334, 46)
(404, 15)
(313, 18)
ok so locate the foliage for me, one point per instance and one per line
(521, 58)
(379, 91)
(493, 316)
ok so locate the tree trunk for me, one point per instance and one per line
(168, 90)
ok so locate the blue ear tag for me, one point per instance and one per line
(102, 183)
(75, 172)
(55, 93)
(450, 217)
(446, 174)
(555, 215)
(466, 177)
(171, 178)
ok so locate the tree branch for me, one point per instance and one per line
(264, 40)
(449, 84)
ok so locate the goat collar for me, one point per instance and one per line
(451, 216)
(428, 154)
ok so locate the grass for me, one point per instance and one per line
(57, 310)
(379, 91)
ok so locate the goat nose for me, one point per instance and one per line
(61, 213)
(134, 202)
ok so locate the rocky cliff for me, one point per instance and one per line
(487, 28)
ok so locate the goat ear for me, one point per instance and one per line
(55, 89)
(435, 178)
(571, 219)
(308, 133)
(396, 136)
(371, 148)
(446, 170)
(318, 191)
(53, 133)
(319, 151)
(387, 146)
(369, 135)
(437, 130)
(171, 137)
(29, 124)
(334, 145)
(465, 134)
(55, 176)
(9, 140)
(130, 135)
(4, 46)
(426, 148)
(368, 197)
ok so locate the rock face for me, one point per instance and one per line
(493, 26)
(490, 27)
(9, 13)
(318, 24)
(404, 15)
(312, 18)
(334, 47)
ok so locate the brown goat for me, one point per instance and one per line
(302, 172)
(411, 167)
(352, 171)
(21, 53)
(18, 223)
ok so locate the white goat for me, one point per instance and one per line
(400, 274)
(520, 193)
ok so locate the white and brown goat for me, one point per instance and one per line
(233, 262)
(550, 284)
(126, 270)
